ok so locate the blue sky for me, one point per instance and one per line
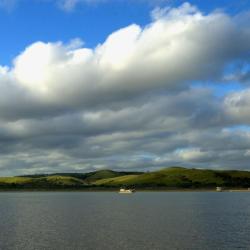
(123, 84)
(24, 22)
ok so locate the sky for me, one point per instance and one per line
(128, 85)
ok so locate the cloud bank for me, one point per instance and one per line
(145, 98)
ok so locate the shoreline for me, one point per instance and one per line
(117, 190)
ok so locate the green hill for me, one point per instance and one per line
(86, 177)
(177, 177)
(173, 177)
(105, 174)
(41, 182)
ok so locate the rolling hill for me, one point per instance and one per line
(177, 177)
(41, 182)
(167, 178)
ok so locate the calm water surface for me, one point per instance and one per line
(157, 220)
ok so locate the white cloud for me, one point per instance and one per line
(191, 154)
(168, 53)
(130, 101)
(237, 106)
(3, 70)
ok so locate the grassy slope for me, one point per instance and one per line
(174, 177)
(181, 177)
(102, 174)
(48, 181)
(15, 180)
(66, 180)
(86, 177)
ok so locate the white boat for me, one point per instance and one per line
(219, 189)
(126, 191)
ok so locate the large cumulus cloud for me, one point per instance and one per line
(141, 99)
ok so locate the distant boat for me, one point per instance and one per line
(219, 189)
(126, 191)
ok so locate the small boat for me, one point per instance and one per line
(126, 191)
(219, 189)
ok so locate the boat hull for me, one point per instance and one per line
(126, 191)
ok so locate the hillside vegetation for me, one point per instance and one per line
(177, 177)
(41, 182)
(173, 177)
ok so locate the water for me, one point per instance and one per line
(141, 221)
